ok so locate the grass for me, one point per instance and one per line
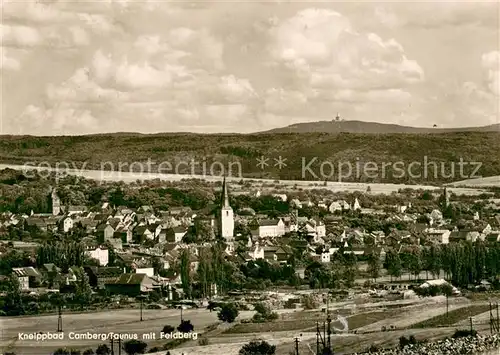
(296, 323)
(455, 316)
(335, 148)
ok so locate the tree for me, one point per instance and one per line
(133, 347)
(185, 327)
(102, 349)
(185, 272)
(258, 348)
(393, 264)
(374, 265)
(64, 351)
(13, 303)
(83, 292)
(228, 313)
(264, 313)
(89, 352)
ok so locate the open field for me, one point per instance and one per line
(366, 318)
(122, 321)
(453, 316)
(128, 177)
(480, 182)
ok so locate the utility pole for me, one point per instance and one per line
(471, 328)
(59, 319)
(297, 345)
(119, 346)
(446, 305)
(112, 347)
(317, 337)
(497, 323)
(141, 308)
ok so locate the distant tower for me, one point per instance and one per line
(226, 222)
(337, 118)
(56, 203)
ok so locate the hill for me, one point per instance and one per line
(309, 156)
(372, 128)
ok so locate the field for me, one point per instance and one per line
(368, 319)
(126, 176)
(452, 317)
(91, 152)
(365, 327)
(122, 321)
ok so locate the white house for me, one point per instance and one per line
(356, 206)
(146, 270)
(100, 253)
(295, 203)
(325, 257)
(441, 235)
(68, 224)
(270, 228)
(338, 206)
(257, 252)
(315, 228)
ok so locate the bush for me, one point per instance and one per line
(373, 349)
(463, 333)
(168, 329)
(309, 302)
(256, 347)
(133, 347)
(203, 342)
(403, 341)
(228, 313)
(263, 314)
(185, 327)
(103, 349)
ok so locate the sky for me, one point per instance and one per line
(84, 67)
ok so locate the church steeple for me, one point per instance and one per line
(226, 221)
(224, 196)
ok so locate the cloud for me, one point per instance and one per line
(491, 64)
(22, 36)
(155, 82)
(8, 63)
(324, 51)
(31, 24)
(58, 120)
(438, 14)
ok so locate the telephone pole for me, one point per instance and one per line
(297, 345)
(59, 319)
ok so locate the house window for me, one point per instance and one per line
(227, 213)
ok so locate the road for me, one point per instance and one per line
(121, 321)
(127, 176)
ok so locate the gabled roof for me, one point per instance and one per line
(51, 268)
(26, 272)
(131, 279)
(268, 222)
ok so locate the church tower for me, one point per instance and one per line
(56, 203)
(446, 198)
(226, 222)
